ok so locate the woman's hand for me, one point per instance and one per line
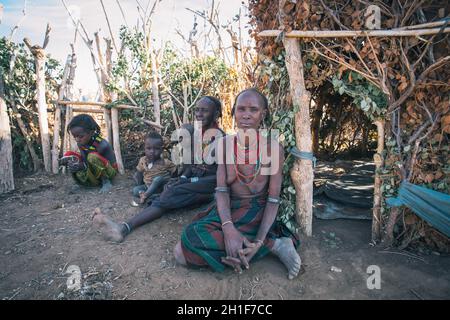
(248, 253)
(234, 243)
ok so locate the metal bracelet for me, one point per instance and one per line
(273, 200)
(222, 189)
(127, 226)
(226, 222)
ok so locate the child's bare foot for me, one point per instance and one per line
(106, 186)
(110, 230)
(284, 249)
(142, 197)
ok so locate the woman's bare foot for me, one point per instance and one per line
(110, 230)
(284, 249)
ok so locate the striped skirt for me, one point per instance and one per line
(202, 241)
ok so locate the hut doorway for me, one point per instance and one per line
(344, 142)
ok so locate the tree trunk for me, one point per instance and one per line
(378, 159)
(39, 56)
(302, 171)
(6, 160)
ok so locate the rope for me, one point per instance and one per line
(303, 155)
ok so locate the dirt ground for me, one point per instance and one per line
(44, 229)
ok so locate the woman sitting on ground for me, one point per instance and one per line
(242, 227)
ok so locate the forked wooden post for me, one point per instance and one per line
(42, 107)
(39, 59)
(302, 171)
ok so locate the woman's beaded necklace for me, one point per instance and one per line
(256, 169)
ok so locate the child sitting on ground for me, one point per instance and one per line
(96, 164)
(152, 170)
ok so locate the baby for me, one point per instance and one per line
(152, 170)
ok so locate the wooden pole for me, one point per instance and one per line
(302, 170)
(67, 135)
(104, 94)
(57, 120)
(69, 142)
(39, 59)
(157, 126)
(72, 144)
(116, 139)
(6, 160)
(378, 159)
(79, 103)
(87, 110)
(56, 135)
(155, 90)
(350, 33)
(185, 103)
(97, 104)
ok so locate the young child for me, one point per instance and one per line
(96, 164)
(152, 170)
